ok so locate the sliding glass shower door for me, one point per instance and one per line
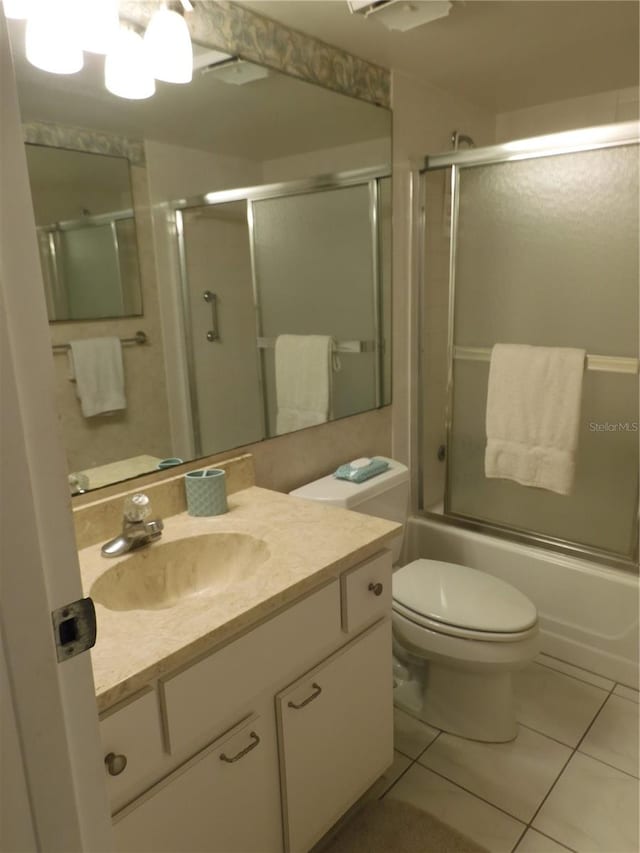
(541, 251)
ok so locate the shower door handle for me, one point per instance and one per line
(213, 334)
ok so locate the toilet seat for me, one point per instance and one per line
(462, 633)
(462, 602)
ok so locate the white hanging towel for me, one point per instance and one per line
(96, 365)
(533, 415)
(303, 380)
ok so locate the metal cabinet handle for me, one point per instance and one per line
(214, 333)
(317, 691)
(376, 588)
(115, 764)
(243, 752)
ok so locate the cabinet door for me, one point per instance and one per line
(336, 730)
(225, 800)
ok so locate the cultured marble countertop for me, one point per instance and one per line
(308, 544)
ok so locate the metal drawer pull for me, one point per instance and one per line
(314, 695)
(214, 333)
(115, 763)
(376, 588)
(243, 752)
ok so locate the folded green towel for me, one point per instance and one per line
(361, 470)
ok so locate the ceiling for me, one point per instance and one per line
(499, 55)
(277, 116)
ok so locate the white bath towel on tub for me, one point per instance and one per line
(303, 380)
(533, 415)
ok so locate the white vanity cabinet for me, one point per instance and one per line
(265, 742)
(224, 799)
(336, 735)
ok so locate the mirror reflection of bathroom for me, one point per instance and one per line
(253, 256)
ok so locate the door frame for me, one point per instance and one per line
(53, 703)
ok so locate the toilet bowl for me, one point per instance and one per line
(461, 634)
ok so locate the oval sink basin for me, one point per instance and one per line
(163, 575)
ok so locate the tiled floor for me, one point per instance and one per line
(568, 782)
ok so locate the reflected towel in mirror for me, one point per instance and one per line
(96, 365)
(303, 366)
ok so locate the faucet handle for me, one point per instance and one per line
(137, 508)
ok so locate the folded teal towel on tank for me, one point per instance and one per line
(361, 469)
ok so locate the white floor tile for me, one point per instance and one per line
(535, 842)
(627, 693)
(613, 737)
(593, 808)
(556, 704)
(477, 820)
(576, 672)
(513, 776)
(411, 736)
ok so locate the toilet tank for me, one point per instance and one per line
(385, 496)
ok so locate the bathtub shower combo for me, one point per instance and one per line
(536, 242)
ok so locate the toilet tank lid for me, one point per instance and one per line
(342, 493)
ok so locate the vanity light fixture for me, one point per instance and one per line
(126, 70)
(52, 38)
(99, 24)
(58, 31)
(168, 47)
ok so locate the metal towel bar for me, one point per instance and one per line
(341, 346)
(138, 338)
(603, 363)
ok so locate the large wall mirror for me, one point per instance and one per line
(242, 223)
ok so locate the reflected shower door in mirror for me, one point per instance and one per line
(83, 209)
(297, 260)
(297, 255)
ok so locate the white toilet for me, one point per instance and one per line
(459, 633)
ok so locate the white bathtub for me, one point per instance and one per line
(588, 612)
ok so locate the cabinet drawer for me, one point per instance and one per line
(204, 698)
(336, 735)
(366, 593)
(224, 800)
(132, 733)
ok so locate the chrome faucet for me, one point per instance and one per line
(136, 530)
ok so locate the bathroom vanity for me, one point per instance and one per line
(244, 709)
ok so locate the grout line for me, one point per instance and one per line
(628, 686)
(428, 746)
(577, 678)
(395, 781)
(624, 698)
(551, 838)
(517, 844)
(590, 726)
(574, 666)
(549, 737)
(573, 752)
(607, 764)
(547, 795)
(473, 794)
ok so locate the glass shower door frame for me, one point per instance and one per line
(570, 142)
(358, 177)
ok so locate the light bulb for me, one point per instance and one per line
(52, 42)
(17, 10)
(98, 25)
(126, 71)
(168, 46)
